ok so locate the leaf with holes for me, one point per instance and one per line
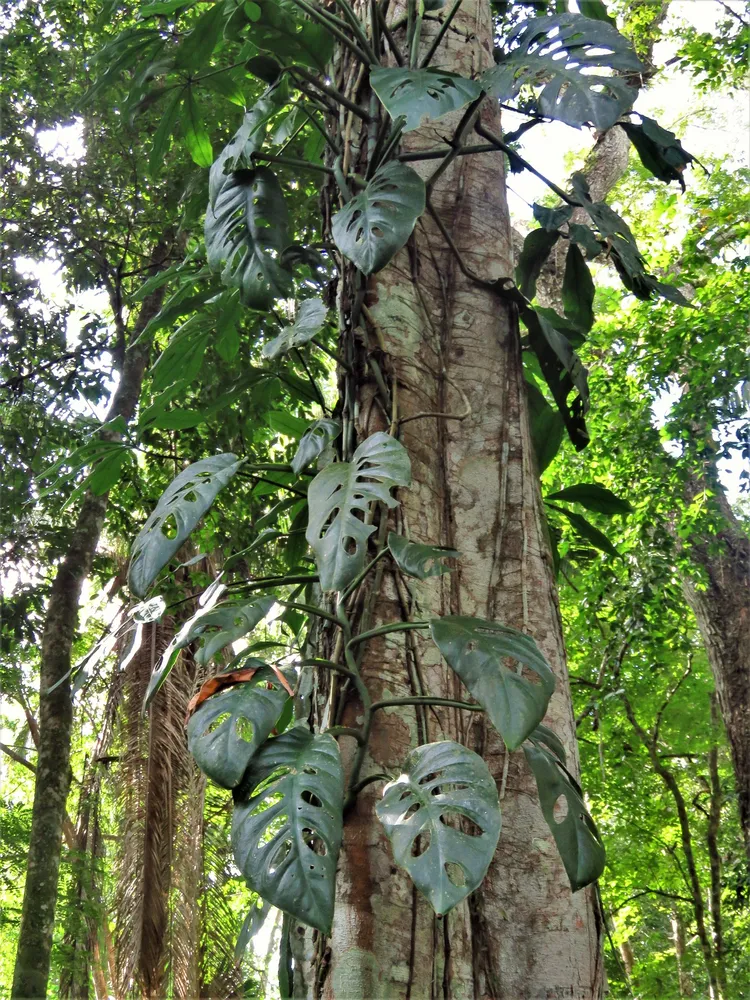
(475, 649)
(418, 560)
(558, 54)
(225, 624)
(311, 315)
(376, 223)
(316, 439)
(228, 729)
(420, 95)
(337, 535)
(442, 818)
(180, 507)
(575, 832)
(286, 829)
(246, 230)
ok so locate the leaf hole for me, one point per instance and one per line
(169, 527)
(244, 729)
(560, 809)
(455, 873)
(191, 496)
(280, 855)
(316, 844)
(216, 724)
(412, 810)
(421, 844)
(311, 799)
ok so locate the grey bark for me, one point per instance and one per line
(53, 778)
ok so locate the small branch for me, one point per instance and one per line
(385, 630)
(18, 758)
(441, 33)
(486, 134)
(331, 92)
(287, 161)
(447, 702)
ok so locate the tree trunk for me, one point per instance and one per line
(678, 936)
(56, 708)
(449, 347)
(721, 604)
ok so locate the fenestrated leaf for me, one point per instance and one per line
(545, 736)
(337, 536)
(578, 290)
(593, 496)
(286, 829)
(444, 791)
(376, 223)
(575, 834)
(552, 218)
(311, 315)
(554, 52)
(416, 559)
(475, 649)
(314, 442)
(179, 509)
(536, 249)
(587, 530)
(660, 150)
(245, 230)
(421, 94)
(229, 728)
(546, 425)
(225, 624)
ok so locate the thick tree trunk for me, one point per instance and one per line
(720, 600)
(56, 708)
(451, 355)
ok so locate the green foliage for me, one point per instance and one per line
(416, 559)
(421, 95)
(444, 837)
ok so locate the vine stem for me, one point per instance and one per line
(441, 33)
(334, 25)
(331, 92)
(385, 630)
(505, 148)
(361, 576)
(425, 700)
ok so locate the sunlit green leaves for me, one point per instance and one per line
(377, 222)
(246, 230)
(229, 728)
(421, 95)
(419, 560)
(339, 493)
(308, 322)
(476, 649)
(561, 799)
(593, 496)
(286, 829)
(442, 817)
(554, 52)
(179, 509)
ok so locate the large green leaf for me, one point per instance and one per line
(421, 94)
(558, 53)
(536, 249)
(376, 223)
(337, 535)
(277, 27)
(587, 530)
(476, 649)
(445, 791)
(416, 559)
(546, 425)
(575, 832)
(286, 830)
(229, 728)
(246, 229)
(318, 436)
(660, 150)
(179, 509)
(593, 496)
(311, 315)
(578, 290)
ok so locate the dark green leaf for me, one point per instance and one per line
(552, 218)
(225, 624)
(278, 28)
(228, 729)
(595, 9)
(536, 249)
(593, 497)
(178, 511)
(308, 322)
(660, 150)
(424, 812)
(547, 427)
(336, 534)
(246, 229)
(578, 290)
(225, 86)
(575, 834)
(418, 560)
(287, 424)
(107, 471)
(585, 238)
(553, 52)
(163, 134)
(286, 830)
(476, 649)
(376, 223)
(196, 48)
(421, 95)
(314, 442)
(587, 530)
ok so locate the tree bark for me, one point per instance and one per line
(684, 984)
(451, 348)
(53, 777)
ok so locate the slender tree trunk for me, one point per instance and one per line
(720, 601)
(628, 957)
(450, 348)
(684, 984)
(716, 801)
(56, 708)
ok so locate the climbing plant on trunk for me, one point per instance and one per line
(373, 758)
